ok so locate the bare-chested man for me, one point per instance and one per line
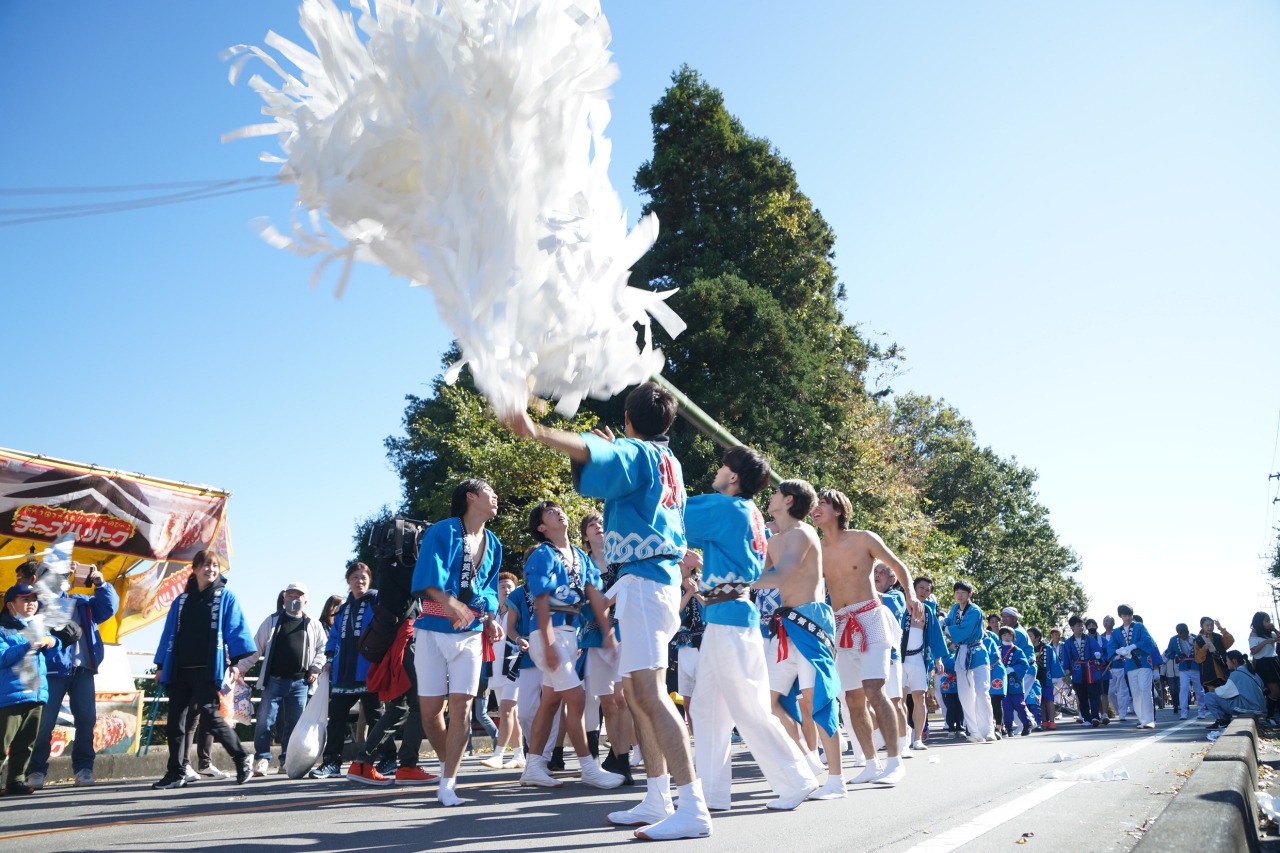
(866, 631)
(800, 653)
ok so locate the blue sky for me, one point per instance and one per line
(1064, 213)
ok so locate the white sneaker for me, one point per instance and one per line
(595, 776)
(642, 815)
(682, 824)
(189, 775)
(918, 745)
(84, 778)
(35, 780)
(260, 766)
(211, 772)
(535, 774)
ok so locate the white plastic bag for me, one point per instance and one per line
(308, 735)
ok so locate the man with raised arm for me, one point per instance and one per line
(802, 672)
(733, 681)
(642, 485)
(866, 630)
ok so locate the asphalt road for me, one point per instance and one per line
(956, 796)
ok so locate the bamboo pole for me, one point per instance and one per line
(706, 424)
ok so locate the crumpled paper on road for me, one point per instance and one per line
(1103, 776)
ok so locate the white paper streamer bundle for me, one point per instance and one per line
(461, 145)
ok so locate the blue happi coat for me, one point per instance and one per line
(826, 684)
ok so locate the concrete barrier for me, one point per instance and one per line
(1239, 747)
(1214, 811)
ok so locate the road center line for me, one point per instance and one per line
(1004, 812)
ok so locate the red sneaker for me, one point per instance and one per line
(414, 776)
(366, 774)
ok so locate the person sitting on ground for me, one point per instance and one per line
(1240, 695)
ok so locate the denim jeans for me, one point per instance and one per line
(78, 688)
(282, 699)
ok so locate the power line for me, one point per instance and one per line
(79, 211)
(128, 188)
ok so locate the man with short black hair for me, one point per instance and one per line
(642, 485)
(1083, 661)
(1118, 698)
(733, 683)
(1131, 643)
(967, 629)
(1182, 650)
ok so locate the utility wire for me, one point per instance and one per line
(80, 211)
(131, 188)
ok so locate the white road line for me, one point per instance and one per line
(989, 820)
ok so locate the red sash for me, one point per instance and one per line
(431, 607)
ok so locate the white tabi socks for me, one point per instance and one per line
(691, 820)
(871, 771)
(447, 793)
(815, 761)
(655, 806)
(894, 772)
(832, 790)
(904, 747)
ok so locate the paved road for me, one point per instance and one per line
(956, 797)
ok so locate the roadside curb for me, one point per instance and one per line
(1215, 809)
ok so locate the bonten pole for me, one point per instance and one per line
(706, 424)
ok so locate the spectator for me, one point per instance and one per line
(204, 634)
(348, 670)
(291, 646)
(329, 611)
(71, 674)
(1262, 646)
(1239, 695)
(1211, 651)
(23, 688)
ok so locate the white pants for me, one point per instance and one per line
(1118, 694)
(527, 701)
(974, 688)
(1028, 680)
(1188, 681)
(1140, 689)
(733, 690)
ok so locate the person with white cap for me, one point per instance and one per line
(291, 646)
(1010, 617)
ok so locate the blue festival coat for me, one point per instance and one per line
(968, 633)
(1016, 666)
(730, 532)
(1086, 669)
(826, 684)
(91, 611)
(642, 485)
(1147, 653)
(440, 565)
(1185, 662)
(233, 639)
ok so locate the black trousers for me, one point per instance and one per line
(340, 705)
(402, 716)
(1088, 699)
(955, 711)
(192, 693)
(997, 710)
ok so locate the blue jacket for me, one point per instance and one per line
(1147, 653)
(1174, 651)
(440, 565)
(1086, 668)
(642, 485)
(1016, 666)
(731, 533)
(233, 639)
(91, 611)
(1052, 666)
(333, 648)
(999, 674)
(897, 604)
(968, 631)
(14, 647)
(935, 644)
(948, 680)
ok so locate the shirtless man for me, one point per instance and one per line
(866, 631)
(800, 652)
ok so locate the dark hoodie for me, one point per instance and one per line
(196, 631)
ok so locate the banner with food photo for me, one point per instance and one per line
(116, 731)
(141, 531)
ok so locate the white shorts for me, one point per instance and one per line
(648, 615)
(687, 676)
(603, 675)
(505, 689)
(917, 677)
(786, 672)
(565, 675)
(447, 663)
(855, 666)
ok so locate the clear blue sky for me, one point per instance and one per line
(1065, 213)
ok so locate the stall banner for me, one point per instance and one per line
(108, 511)
(115, 733)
